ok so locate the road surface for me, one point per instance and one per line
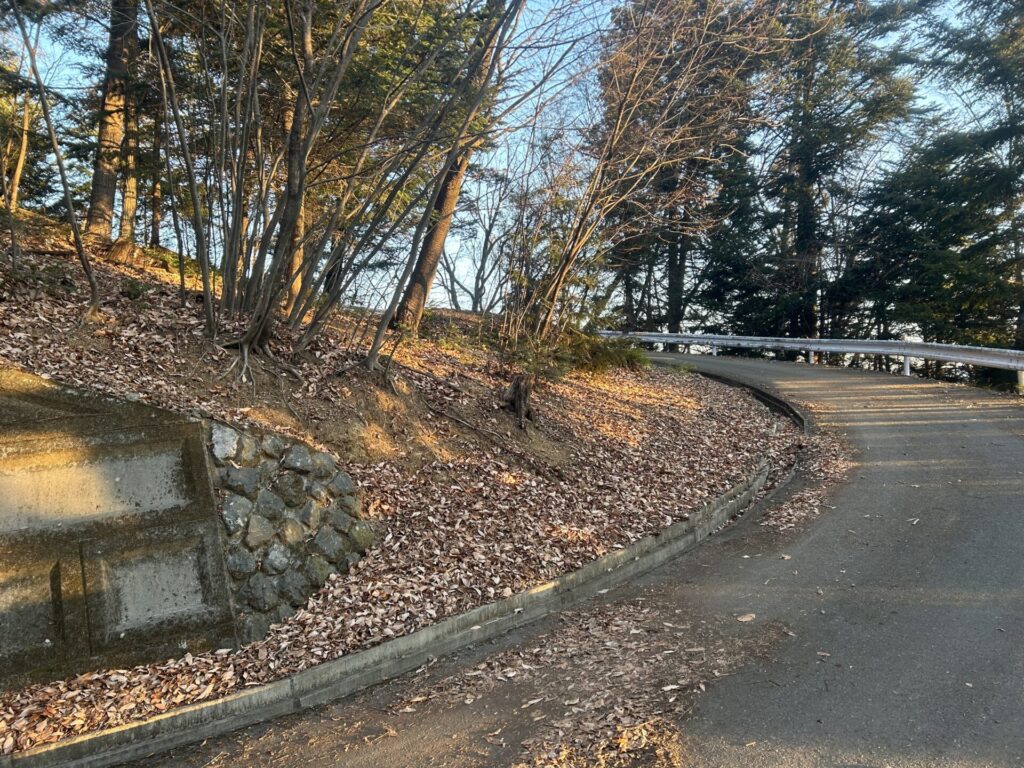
(902, 609)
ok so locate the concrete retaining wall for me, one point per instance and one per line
(129, 534)
(111, 552)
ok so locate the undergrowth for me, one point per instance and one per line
(597, 355)
(577, 352)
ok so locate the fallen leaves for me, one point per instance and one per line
(636, 452)
(618, 673)
(824, 460)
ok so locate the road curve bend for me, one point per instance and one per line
(921, 566)
(903, 607)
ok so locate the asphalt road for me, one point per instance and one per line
(903, 611)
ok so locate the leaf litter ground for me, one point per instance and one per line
(468, 508)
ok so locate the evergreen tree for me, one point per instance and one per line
(841, 85)
(740, 289)
(933, 258)
(980, 49)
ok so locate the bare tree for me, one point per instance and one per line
(414, 299)
(671, 86)
(94, 293)
(477, 271)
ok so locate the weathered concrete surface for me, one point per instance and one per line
(910, 613)
(110, 550)
(87, 485)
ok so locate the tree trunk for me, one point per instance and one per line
(124, 248)
(19, 164)
(169, 98)
(410, 311)
(629, 311)
(1019, 334)
(291, 201)
(156, 193)
(675, 287)
(518, 396)
(123, 33)
(295, 276)
(803, 320)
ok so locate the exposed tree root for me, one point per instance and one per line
(249, 353)
(122, 252)
(458, 420)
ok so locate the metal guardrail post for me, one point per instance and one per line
(1020, 382)
(906, 365)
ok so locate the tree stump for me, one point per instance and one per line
(517, 397)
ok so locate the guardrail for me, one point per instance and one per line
(1008, 359)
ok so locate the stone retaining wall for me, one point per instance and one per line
(291, 519)
(130, 533)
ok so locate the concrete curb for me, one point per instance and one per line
(342, 677)
(766, 396)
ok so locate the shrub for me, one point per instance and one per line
(576, 352)
(596, 354)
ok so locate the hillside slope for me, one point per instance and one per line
(468, 506)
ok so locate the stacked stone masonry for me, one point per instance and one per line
(291, 518)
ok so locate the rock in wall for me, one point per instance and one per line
(291, 519)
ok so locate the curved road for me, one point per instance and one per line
(902, 609)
